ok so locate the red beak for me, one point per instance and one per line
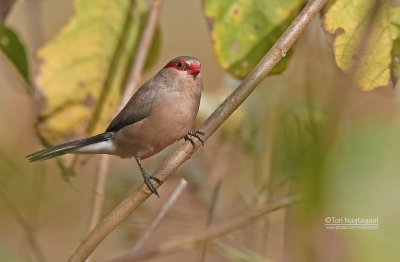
(194, 68)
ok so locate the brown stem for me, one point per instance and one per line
(5, 7)
(98, 194)
(213, 232)
(183, 153)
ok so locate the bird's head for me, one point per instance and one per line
(182, 71)
(185, 65)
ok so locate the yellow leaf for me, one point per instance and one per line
(363, 39)
(84, 67)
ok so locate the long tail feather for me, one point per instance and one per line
(69, 147)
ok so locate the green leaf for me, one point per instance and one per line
(243, 31)
(299, 136)
(84, 68)
(14, 50)
(395, 65)
(364, 35)
(235, 254)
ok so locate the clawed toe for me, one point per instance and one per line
(152, 188)
(156, 179)
(147, 178)
(194, 133)
(187, 137)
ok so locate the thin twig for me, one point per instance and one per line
(99, 188)
(143, 50)
(138, 246)
(213, 232)
(211, 216)
(133, 83)
(184, 152)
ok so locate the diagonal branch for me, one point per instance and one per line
(183, 153)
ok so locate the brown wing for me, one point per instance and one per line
(138, 107)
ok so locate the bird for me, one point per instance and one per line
(161, 112)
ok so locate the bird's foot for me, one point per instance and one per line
(194, 133)
(147, 180)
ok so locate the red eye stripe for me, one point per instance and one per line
(180, 65)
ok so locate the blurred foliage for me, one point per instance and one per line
(364, 33)
(235, 254)
(124, 180)
(344, 168)
(243, 31)
(20, 198)
(85, 66)
(14, 50)
(301, 143)
(298, 135)
(361, 180)
(10, 256)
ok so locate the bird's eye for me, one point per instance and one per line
(179, 65)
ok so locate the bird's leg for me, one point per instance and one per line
(147, 178)
(196, 133)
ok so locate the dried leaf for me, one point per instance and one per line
(363, 34)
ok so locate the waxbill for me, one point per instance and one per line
(161, 112)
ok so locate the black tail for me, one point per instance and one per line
(66, 148)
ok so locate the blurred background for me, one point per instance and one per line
(306, 131)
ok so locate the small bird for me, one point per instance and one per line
(161, 112)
